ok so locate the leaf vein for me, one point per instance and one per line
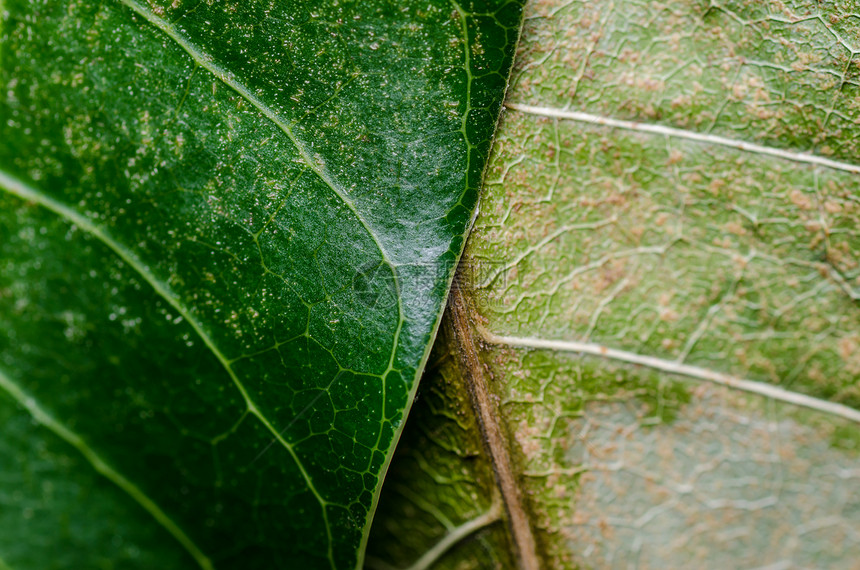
(676, 367)
(101, 466)
(207, 62)
(794, 156)
(20, 189)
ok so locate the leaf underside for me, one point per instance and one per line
(723, 247)
(227, 234)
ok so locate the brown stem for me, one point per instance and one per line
(487, 412)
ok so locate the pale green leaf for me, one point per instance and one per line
(666, 270)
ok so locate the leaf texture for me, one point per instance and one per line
(665, 276)
(227, 234)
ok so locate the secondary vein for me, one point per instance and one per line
(24, 191)
(457, 534)
(206, 61)
(676, 367)
(41, 416)
(684, 134)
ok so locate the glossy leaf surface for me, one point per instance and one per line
(227, 233)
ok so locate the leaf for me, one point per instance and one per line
(228, 233)
(665, 278)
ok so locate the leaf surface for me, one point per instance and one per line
(227, 233)
(665, 276)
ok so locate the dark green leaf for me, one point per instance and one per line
(227, 234)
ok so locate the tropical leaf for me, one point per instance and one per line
(228, 230)
(664, 277)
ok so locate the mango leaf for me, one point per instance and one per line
(228, 231)
(664, 277)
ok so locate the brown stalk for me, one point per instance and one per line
(462, 333)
